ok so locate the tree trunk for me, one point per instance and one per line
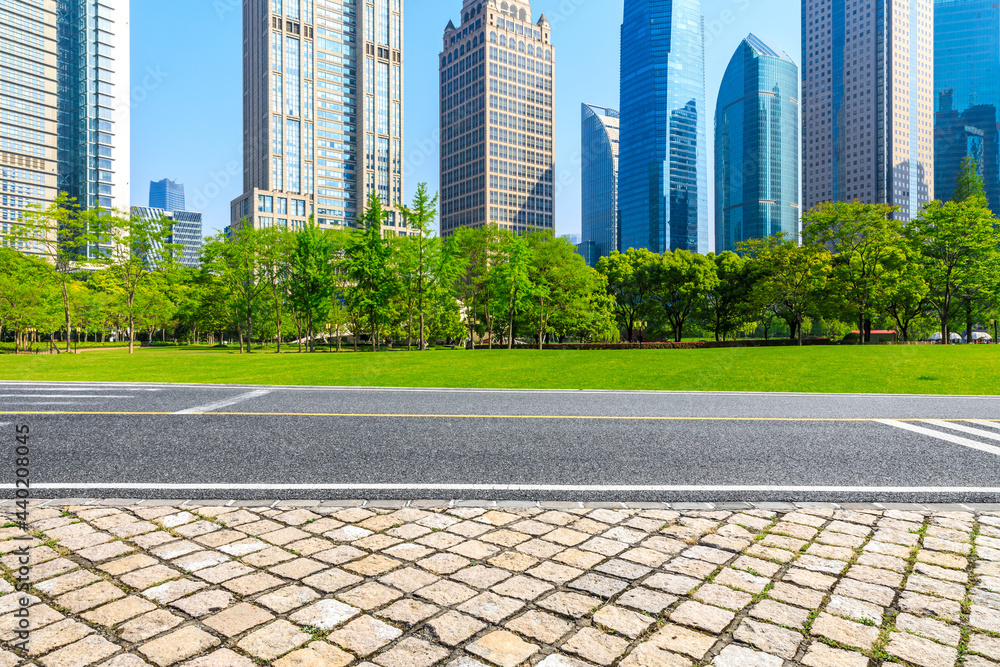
(310, 333)
(510, 331)
(279, 334)
(338, 338)
(541, 322)
(65, 295)
(409, 332)
(131, 334)
(968, 321)
(239, 329)
(798, 328)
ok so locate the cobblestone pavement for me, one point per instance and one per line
(302, 585)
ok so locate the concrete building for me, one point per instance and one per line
(757, 147)
(599, 182)
(867, 111)
(497, 156)
(663, 173)
(29, 103)
(967, 93)
(322, 111)
(167, 195)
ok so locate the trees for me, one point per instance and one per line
(956, 245)
(867, 245)
(367, 259)
(237, 262)
(792, 278)
(134, 248)
(511, 279)
(627, 285)
(312, 276)
(728, 306)
(420, 216)
(970, 182)
(678, 285)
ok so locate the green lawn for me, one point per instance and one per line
(850, 369)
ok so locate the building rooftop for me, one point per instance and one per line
(765, 49)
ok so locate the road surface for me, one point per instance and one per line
(247, 442)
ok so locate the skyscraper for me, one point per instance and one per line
(599, 181)
(185, 230)
(322, 111)
(497, 157)
(94, 102)
(663, 173)
(757, 146)
(29, 160)
(167, 195)
(967, 92)
(867, 112)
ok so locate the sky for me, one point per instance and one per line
(187, 88)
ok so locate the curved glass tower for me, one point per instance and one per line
(967, 91)
(757, 147)
(599, 180)
(663, 177)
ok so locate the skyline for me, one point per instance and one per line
(189, 51)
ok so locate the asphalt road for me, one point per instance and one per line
(197, 441)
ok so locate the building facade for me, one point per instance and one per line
(599, 182)
(757, 147)
(867, 108)
(167, 195)
(663, 173)
(967, 92)
(94, 102)
(29, 130)
(185, 230)
(497, 156)
(322, 111)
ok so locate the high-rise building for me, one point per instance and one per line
(322, 111)
(599, 181)
(94, 102)
(166, 195)
(757, 146)
(185, 230)
(497, 157)
(867, 111)
(663, 173)
(967, 91)
(29, 161)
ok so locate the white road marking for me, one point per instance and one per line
(506, 487)
(61, 396)
(947, 437)
(224, 404)
(963, 429)
(53, 403)
(984, 423)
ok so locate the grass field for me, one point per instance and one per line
(841, 369)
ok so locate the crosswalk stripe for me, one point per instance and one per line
(964, 429)
(947, 437)
(981, 422)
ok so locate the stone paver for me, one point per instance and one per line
(304, 585)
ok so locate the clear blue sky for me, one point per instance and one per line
(187, 121)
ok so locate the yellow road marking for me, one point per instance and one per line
(436, 416)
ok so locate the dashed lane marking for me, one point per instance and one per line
(224, 404)
(947, 437)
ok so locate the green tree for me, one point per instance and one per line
(957, 245)
(867, 245)
(368, 258)
(420, 215)
(728, 305)
(237, 261)
(679, 283)
(562, 284)
(512, 279)
(970, 182)
(313, 276)
(628, 285)
(276, 248)
(792, 279)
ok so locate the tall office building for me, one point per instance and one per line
(663, 174)
(167, 195)
(867, 112)
(322, 111)
(599, 182)
(185, 231)
(94, 102)
(29, 161)
(497, 156)
(757, 146)
(967, 88)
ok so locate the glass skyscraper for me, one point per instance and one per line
(757, 146)
(663, 174)
(599, 181)
(185, 230)
(867, 108)
(94, 102)
(967, 92)
(322, 111)
(167, 195)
